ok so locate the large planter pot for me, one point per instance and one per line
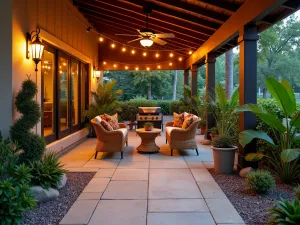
(224, 159)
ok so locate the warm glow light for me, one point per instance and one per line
(171, 55)
(156, 55)
(101, 39)
(146, 42)
(144, 53)
(190, 52)
(132, 51)
(97, 73)
(115, 65)
(158, 67)
(64, 64)
(126, 67)
(148, 68)
(123, 49)
(136, 68)
(170, 64)
(104, 62)
(60, 71)
(180, 58)
(113, 45)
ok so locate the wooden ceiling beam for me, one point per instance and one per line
(194, 9)
(176, 14)
(291, 4)
(230, 6)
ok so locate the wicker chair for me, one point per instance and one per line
(110, 141)
(179, 138)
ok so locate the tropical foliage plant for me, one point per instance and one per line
(33, 145)
(223, 141)
(105, 100)
(47, 172)
(15, 196)
(286, 213)
(222, 110)
(297, 192)
(283, 135)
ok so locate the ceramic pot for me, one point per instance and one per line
(148, 128)
(224, 159)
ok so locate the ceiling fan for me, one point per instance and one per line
(147, 36)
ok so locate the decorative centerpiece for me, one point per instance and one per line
(148, 126)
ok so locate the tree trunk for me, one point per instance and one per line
(149, 92)
(175, 85)
(229, 73)
(264, 93)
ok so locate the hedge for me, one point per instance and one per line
(130, 108)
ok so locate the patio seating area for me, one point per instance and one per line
(148, 189)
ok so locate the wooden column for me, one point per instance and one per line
(186, 78)
(194, 73)
(210, 62)
(248, 84)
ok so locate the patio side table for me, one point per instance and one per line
(148, 144)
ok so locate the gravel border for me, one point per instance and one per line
(252, 208)
(52, 212)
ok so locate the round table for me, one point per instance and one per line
(148, 140)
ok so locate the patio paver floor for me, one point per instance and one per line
(152, 189)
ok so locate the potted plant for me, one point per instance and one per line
(224, 153)
(213, 133)
(148, 126)
(202, 126)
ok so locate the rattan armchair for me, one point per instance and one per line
(110, 141)
(181, 139)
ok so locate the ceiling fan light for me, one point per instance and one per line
(146, 42)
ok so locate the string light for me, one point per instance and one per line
(158, 67)
(144, 54)
(148, 68)
(171, 55)
(101, 39)
(115, 65)
(180, 58)
(113, 45)
(123, 49)
(132, 51)
(190, 52)
(104, 62)
(170, 64)
(157, 55)
(126, 67)
(136, 68)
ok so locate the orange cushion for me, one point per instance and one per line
(112, 120)
(188, 121)
(106, 125)
(178, 119)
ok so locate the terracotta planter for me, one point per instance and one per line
(203, 129)
(213, 136)
(224, 159)
(148, 128)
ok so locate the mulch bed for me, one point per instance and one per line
(252, 208)
(52, 212)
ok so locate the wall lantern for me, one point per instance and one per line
(96, 73)
(34, 47)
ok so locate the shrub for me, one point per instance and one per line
(15, 197)
(297, 192)
(223, 141)
(174, 107)
(164, 105)
(260, 181)
(32, 144)
(286, 212)
(47, 172)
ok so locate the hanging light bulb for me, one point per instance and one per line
(126, 67)
(101, 39)
(123, 49)
(148, 68)
(104, 62)
(170, 64)
(136, 68)
(157, 55)
(144, 54)
(180, 58)
(190, 52)
(132, 51)
(171, 55)
(113, 45)
(158, 67)
(115, 65)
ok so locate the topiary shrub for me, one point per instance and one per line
(297, 192)
(260, 181)
(286, 213)
(47, 172)
(15, 196)
(33, 145)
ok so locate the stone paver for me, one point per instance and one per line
(223, 211)
(103, 163)
(120, 212)
(172, 183)
(105, 173)
(90, 196)
(195, 165)
(180, 219)
(210, 189)
(80, 212)
(171, 164)
(202, 175)
(177, 205)
(81, 169)
(97, 185)
(134, 165)
(131, 174)
(126, 190)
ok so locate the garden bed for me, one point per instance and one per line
(51, 212)
(252, 208)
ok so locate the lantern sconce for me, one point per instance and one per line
(96, 73)
(34, 47)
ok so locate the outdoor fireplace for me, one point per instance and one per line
(150, 114)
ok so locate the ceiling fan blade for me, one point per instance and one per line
(128, 35)
(165, 35)
(158, 41)
(135, 39)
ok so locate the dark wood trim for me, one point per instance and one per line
(230, 6)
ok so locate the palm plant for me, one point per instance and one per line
(222, 110)
(282, 132)
(105, 100)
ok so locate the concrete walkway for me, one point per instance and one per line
(155, 189)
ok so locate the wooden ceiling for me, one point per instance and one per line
(191, 21)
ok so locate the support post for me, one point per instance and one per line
(194, 73)
(210, 62)
(248, 84)
(186, 77)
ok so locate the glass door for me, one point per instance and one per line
(75, 96)
(63, 96)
